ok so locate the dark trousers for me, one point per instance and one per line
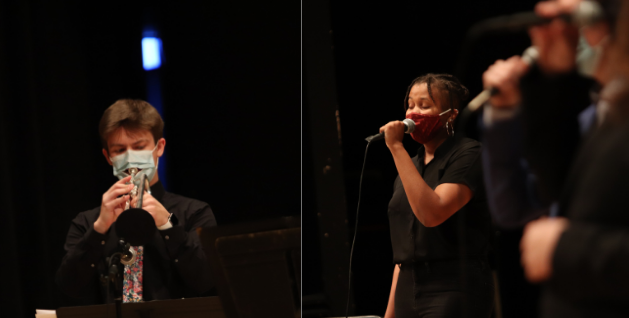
(444, 289)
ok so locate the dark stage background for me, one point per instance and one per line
(378, 48)
(231, 94)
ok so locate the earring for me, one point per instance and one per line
(449, 129)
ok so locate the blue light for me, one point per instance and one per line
(151, 53)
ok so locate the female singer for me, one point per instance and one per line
(440, 224)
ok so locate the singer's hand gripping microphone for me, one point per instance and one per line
(529, 57)
(410, 127)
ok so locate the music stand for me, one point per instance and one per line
(257, 267)
(202, 307)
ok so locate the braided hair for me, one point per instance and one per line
(446, 83)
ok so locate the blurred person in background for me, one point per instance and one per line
(580, 258)
(529, 146)
(532, 131)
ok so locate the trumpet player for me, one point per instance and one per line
(173, 265)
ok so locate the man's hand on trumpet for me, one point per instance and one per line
(112, 205)
(152, 206)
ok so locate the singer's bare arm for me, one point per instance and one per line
(390, 313)
(431, 207)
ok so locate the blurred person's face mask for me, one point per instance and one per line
(141, 159)
(426, 126)
(588, 57)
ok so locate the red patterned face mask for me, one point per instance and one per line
(426, 126)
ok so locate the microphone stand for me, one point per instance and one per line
(113, 277)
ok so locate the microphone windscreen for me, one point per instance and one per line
(530, 55)
(410, 125)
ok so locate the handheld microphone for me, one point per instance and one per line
(529, 57)
(410, 127)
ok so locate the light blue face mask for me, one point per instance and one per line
(588, 56)
(141, 159)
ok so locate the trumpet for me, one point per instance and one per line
(141, 184)
(137, 181)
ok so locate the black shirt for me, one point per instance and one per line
(455, 161)
(174, 266)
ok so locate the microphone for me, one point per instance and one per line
(129, 256)
(586, 13)
(410, 127)
(529, 57)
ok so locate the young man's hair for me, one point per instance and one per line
(132, 115)
(447, 84)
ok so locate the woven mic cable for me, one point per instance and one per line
(351, 253)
